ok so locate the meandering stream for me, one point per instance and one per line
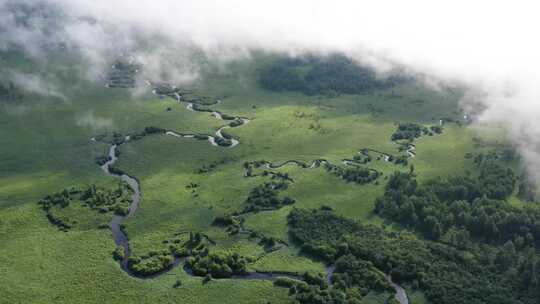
(121, 239)
(119, 236)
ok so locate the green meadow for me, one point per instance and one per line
(45, 147)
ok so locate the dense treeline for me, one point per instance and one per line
(353, 272)
(319, 232)
(447, 275)
(305, 293)
(312, 75)
(314, 289)
(474, 205)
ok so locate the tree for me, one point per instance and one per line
(506, 255)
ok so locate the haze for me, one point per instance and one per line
(490, 46)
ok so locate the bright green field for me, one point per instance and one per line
(45, 146)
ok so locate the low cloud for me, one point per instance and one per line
(94, 122)
(33, 83)
(490, 46)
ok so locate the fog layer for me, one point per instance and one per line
(491, 46)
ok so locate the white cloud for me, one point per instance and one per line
(492, 46)
(34, 83)
(90, 120)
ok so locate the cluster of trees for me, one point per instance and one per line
(218, 265)
(150, 130)
(105, 200)
(232, 223)
(399, 160)
(225, 116)
(213, 165)
(60, 199)
(435, 130)
(154, 262)
(472, 204)
(283, 177)
(196, 244)
(322, 234)
(249, 166)
(153, 130)
(353, 272)
(222, 141)
(96, 198)
(236, 122)
(226, 135)
(479, 274)
(269, 243)
(314, 288)
(409, 131)
(363, 157)
(166, 89)
(201, 108)
(319, 232)
(304, 293)
(119, 253)
(357, 175)
(332, 75)
(504, 154)
(122, 75)
(265, 197)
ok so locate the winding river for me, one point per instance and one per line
(121, 239)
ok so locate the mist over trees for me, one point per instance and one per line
(313, 75)
(9, 92)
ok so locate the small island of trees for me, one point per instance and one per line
(96, 198)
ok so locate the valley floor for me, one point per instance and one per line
(185, 183)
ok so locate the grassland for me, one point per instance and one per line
(45, 146)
